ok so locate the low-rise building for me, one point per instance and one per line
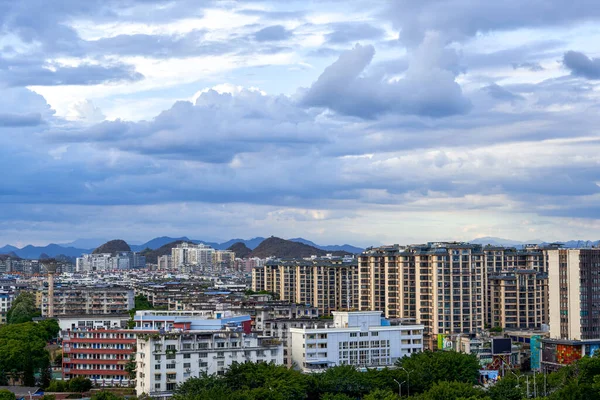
(79, 300)
(191, 347)
(98, 354)
(102, 321)
(362, 339)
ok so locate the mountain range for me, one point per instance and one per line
(68, 249)
(72, 249)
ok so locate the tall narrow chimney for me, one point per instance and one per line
(51, 268)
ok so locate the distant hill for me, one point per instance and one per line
(84, 243)
(152, 255)
(250, 243)
(240, 250)
(157, 243)
(495, 241)
(277, 247)
(344, 247)
(112, 247)
(52, 250)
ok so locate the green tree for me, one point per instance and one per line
(106, 395)
(142, 303)
(381, 394)
(23, 309)
(58, 386)
(336, 396)
(204, 387)
(507, 388)
(80, 384)
(48, 397)
(429, 367)
(7, 395)
(575, 391)
(344, 379)
(45, 374)
(279, 379)
(443, 390)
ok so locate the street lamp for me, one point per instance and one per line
(407, 379)
(399, 387)
(519, 381)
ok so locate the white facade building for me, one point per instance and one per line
(6, 299)
(363, 339)
(167, 359)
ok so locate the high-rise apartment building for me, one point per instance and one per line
(188, 256)
(107, 261)
(517, 299)
(574, 288)
(328, 285)
(165, 262)
(447, 287)
(438, 285)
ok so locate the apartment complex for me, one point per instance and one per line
(98, 354)
(327, 284)
(188, 257)
(447, 287)
(517, 299)
(165, 262)
(361, 339)
(194, 346)
(574, 287)
(81, 300)
(110, 262)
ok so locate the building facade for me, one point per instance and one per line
(170, 358)
(328, 285)
(94, 300)
(98, 354)
(518, 300)
(574, 285)
(361, 339)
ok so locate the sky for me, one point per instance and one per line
(362, 122)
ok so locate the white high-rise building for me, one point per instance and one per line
(363, 339)
(188, 254)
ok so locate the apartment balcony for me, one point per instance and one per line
(88, 361)
(73, 371)
(98, 351)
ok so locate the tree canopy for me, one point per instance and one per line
(23, 349)
(23, 309)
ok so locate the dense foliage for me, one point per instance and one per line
(23, 309)
(432, 375)
(250, 381)
(23, 351)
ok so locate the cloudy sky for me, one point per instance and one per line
(365, 122)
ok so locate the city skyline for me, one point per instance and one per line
(373, 124)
